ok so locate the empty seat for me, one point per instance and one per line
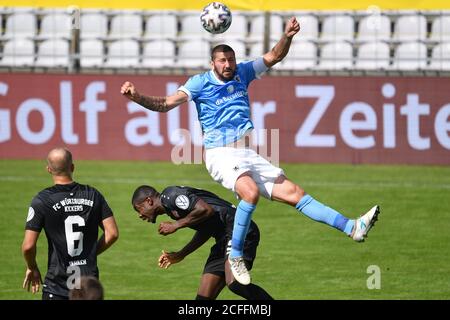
(374, 28)
(257, 49)
(257, 27)
(373, 56)
(410, 56)
(410, 28)
(56, 25)
(126, 25)
(20, 25)
(338, 28)
(123, 54)
(93, 25)
(161, 26)
(158, 54)
(302, 55)
(236, 31)
(440, 57)
(440, 29)
(239, 49)
(53, 53)
(192, 29)
(336, 56)
(309, 27)
(91, 53)
(194, 54)
(18, 53)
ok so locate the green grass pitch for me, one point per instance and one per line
(297, 258)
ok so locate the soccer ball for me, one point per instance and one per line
(216, 18)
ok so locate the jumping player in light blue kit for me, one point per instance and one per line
(223, 108)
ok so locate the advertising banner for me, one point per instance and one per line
(403, 120)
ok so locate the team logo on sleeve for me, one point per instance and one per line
(30, 214)
(182, 202)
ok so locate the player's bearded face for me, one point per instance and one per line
(224, 65)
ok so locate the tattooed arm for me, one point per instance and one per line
(159, 104)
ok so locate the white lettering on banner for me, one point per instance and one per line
(442, 126)
(305, 136)
(150, 123)
(48, 120)
(347, 125)
(5, 119)
(388, 91)
(65, 96)
(92, 106)
(259, 113)
(413, 110)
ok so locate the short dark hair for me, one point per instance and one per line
(143, 192)
(220, 48)
(90, 289)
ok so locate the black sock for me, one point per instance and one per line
(249, 292)
(199, 297)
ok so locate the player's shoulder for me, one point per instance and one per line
(200, 77)
(172, 191)
(245, 65)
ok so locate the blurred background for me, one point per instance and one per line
(358, 114)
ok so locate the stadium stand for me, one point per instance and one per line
(338, 28)
(55, 25)
(410, 56)
(53, 53)
(440, 57)
(91, 53)
(373, 56)
(123, 54)
(93, 26)
(237, 30)
(163, 26)
(158, 54)
(18, 53)
(338, 40)
(336, 56)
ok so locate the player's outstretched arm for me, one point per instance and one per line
(169, 258)
(281, 49)
(199, 213)
(158, 104)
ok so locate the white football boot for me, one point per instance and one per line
(364, 223)
(239, 270)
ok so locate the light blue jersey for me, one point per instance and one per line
(223, 108)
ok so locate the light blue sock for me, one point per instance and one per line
(240, 228)
(319, 212)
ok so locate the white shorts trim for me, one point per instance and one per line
(227, 164)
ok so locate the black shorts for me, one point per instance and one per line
(52, 296)
(219, 253)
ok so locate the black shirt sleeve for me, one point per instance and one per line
(179, 199)
(35, 218)
(105, 210)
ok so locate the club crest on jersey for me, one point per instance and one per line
(30, 214)
(230, 89)
(182, 202)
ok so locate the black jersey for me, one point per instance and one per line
(70, 215)
(179, 201)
